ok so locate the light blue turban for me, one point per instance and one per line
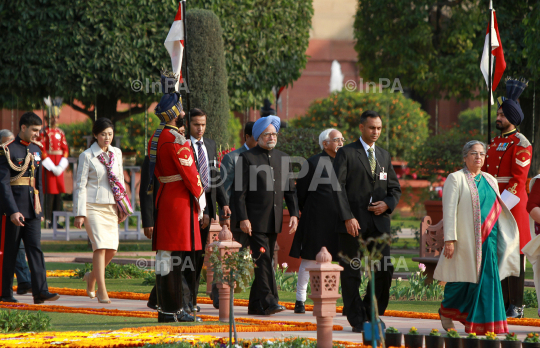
(263, 122)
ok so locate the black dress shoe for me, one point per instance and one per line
(299, 307)
(179, 317)
(273, 309)
(358, 328)
(253, 311)
(151, 305)
(9, 299)
(514, 312)
(45, 296)
(24, 288)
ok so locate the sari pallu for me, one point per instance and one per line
(480, 306)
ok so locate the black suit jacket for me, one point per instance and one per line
(146, 199)
(20, 199)
(216, 189)
(261, 200)
(358, 185)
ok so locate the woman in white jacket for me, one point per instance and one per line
(99, 202)
(481, 247)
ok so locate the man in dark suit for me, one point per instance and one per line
(20, 204)
(206, 155)
(369, 193)
(261, 183)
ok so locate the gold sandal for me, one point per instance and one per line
(103, 301)
(86, 278)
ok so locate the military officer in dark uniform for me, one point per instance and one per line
(21, 194)
(508, 159)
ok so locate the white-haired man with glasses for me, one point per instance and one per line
(320, 217)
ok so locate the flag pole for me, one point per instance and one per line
(489, 73)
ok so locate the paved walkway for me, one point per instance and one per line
(402, 324)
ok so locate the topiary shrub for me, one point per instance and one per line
(405, 125)
(207, 72)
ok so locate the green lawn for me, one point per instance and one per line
(50, 246)
(406, 223)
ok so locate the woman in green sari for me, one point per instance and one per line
(481, 247)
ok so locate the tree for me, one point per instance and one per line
(435, 47)
(87, 50)
(405, 124)
(265, 45)
(476, 120)
(207, 72)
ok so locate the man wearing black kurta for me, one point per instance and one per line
(370, 192)
(263, 179)
(320, 216)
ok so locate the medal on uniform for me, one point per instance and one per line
(57, 136)
(37, 156)
(502, 147)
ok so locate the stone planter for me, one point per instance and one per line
(490, 343)
(434, 341)
(530, 345)
(471, 343)
(510, 344)
(434, 209)
(393, 339)
(414, 341)
(450, 342)
(284, 240)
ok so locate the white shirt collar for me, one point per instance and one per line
(96, 149)
(366, 146)
(245, 145)
(194, 141)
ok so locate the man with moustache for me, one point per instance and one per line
(369, 193)
(263, 179)
(320, 217)
(508, 159)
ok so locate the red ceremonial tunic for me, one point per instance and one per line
(172, 226)
(508, 160)
(55, 147)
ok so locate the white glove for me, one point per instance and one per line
(64, 163)
(201, 202)
(57, 170)
(48, 164)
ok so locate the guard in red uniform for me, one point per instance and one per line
(176, 227)
(55, 153)
(508, 159)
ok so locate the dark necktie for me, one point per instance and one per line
(203, 166)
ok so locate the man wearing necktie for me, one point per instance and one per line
(205, 151)
(369, 193)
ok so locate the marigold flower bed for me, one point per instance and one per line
(258, 325)
(129, 337)
(61, 273)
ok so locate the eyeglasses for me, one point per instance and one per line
(268, 135)
(336, 140)
(477, 154)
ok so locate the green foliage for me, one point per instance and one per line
(265, 45)
(240, 263)
(235, 130)
(511, 336)
(150, 279)
(531, 41)
(529, 299)
(116, 271)
(452, 333)
(417, 289)
(532, 337)
(75, 132)
(473, 120)
(392, 329)
(19, 321)
(441, 155)
(132, 132)
(293, 342)
(299, 142)
(207, 72)
(404, 122)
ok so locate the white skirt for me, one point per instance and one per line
(101, 223)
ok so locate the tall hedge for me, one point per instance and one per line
(207, 72)
(405, 125)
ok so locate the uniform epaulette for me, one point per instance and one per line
(523, 141)
(180, 139)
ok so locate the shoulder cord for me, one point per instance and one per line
(22, 169)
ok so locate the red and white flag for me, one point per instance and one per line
(174, 43)
(497, 52)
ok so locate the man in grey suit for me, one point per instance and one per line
(228, 164)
